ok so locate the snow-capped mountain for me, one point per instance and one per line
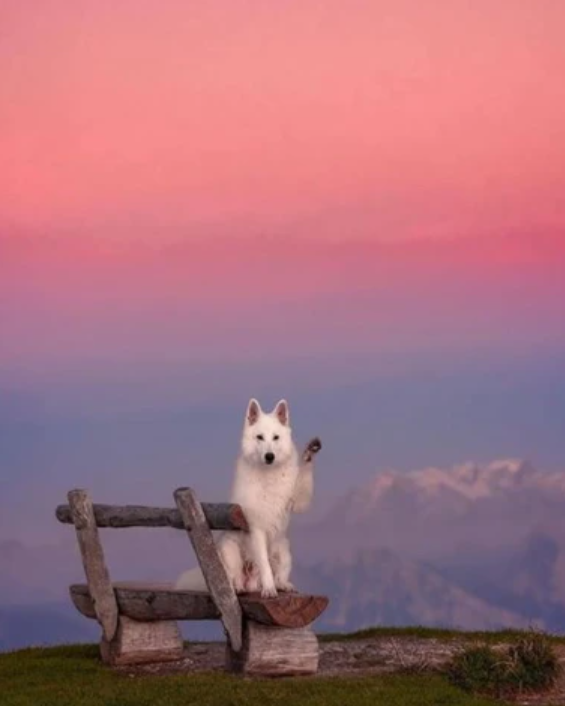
(469, 480)
(437, 512)
(496, 531)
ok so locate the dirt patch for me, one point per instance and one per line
(377, 655)
(359, 657)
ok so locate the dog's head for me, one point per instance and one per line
(267, 436)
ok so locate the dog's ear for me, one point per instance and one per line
(281, 412)
(253, 411)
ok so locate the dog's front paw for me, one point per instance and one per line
(314, 445)
(269, 592)
(285, 586)
(239, 586)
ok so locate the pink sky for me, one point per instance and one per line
(148, 148)
(328, 119)
(357, 204)
(77, 308)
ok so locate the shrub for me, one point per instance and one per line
(534, 666)
(476, 669)
(529, 665)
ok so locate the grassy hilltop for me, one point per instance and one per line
(74, 676)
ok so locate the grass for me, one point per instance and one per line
(74, 676)
(491, 638)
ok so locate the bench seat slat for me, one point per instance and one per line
(161, 601)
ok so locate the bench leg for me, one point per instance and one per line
(272, 651)
(137, 642)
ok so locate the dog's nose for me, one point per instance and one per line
(269, 457)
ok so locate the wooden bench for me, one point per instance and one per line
(268, 636)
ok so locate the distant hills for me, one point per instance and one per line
(494, 533)
(472, 546)
(377, 587)
(43, 624)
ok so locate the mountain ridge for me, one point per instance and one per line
(474, 546)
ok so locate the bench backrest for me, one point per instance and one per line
(220, 516)
(197, 519)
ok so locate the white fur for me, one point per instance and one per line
(268, 493)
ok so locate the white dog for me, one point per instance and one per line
(271, 481)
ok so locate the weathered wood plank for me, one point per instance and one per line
(138, 643)
(150, 601)
(272, 652)
(214, 572)
(161, 601)
(92, 554)
(220, 516)
(289, 610)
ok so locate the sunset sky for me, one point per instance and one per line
(359, 206)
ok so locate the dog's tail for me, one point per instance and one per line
(191, 580)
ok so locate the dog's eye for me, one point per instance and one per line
(276, 437)
(260, 437)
